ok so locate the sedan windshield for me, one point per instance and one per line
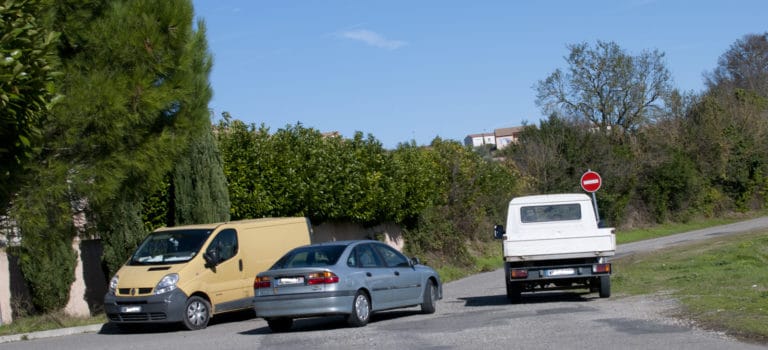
(168, 247)
(311, 256)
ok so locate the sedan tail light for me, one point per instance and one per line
(325, 277)
(261, 282)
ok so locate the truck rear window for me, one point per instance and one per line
(554, 212)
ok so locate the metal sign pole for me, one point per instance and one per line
(594, 203)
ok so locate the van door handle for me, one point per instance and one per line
(240, 263)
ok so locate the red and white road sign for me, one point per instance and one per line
(591, 181)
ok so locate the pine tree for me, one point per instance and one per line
(136, 90)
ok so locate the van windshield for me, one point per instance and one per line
(169, 247)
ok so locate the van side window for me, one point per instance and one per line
(225, 243)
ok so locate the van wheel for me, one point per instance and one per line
(605, 286)
(430, 298)
(281, 324)
(197, 313)
(361, 310)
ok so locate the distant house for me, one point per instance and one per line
(507, 136)
(500, 138)
(477, 140)
(330, 134)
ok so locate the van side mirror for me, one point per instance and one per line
(211, 258)
(498, 231)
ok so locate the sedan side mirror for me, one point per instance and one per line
(415, 261)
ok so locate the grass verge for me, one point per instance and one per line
(722, 283)
(486, 257)
(46, 322)
(639, 234)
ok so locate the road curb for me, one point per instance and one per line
(50, 333)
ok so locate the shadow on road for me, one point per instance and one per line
(333, 322)
(529, 298)
(151, 328)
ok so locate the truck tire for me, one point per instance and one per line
(605, 286)
(514, 291)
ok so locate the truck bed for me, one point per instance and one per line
(529, 249)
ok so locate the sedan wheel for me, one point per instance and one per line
(361, 310)
(430, 298)
(280, 324)
(197, 313)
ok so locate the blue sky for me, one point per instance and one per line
(405, 70)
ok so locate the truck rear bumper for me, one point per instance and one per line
(560, 275)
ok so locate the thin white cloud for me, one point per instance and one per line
(373, 39)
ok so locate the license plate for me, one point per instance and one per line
(290, 280)
(561, 272)
(130, 309)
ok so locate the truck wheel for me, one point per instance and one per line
(514, 291)
(361, 310)
(430, 298)
(281, 324)
(197, 313)
(605, 286)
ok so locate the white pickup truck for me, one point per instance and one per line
(554, 242)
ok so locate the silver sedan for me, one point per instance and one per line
(352, 278)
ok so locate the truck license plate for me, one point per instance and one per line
(561, 272)
(130, 309)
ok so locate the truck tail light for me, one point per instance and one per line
(261, 282)
(325, 277)
(601, 268)
(516, 274)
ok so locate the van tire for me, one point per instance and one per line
(197, 313)
(361, 310)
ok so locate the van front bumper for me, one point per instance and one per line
(163, 308)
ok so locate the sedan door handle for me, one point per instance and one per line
(368, 274)
(397, 273)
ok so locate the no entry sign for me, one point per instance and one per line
(591, 181)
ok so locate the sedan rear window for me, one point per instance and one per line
(311, 256)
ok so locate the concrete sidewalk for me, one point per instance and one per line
(95, 328)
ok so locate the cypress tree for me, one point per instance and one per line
(199, 187)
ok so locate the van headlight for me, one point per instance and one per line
(167, 283)
(113, 285)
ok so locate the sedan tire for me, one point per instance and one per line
(281, 324)
(430, 298)
(361, 310)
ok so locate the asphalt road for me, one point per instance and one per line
(474, 314)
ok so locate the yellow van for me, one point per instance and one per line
(189, 273)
